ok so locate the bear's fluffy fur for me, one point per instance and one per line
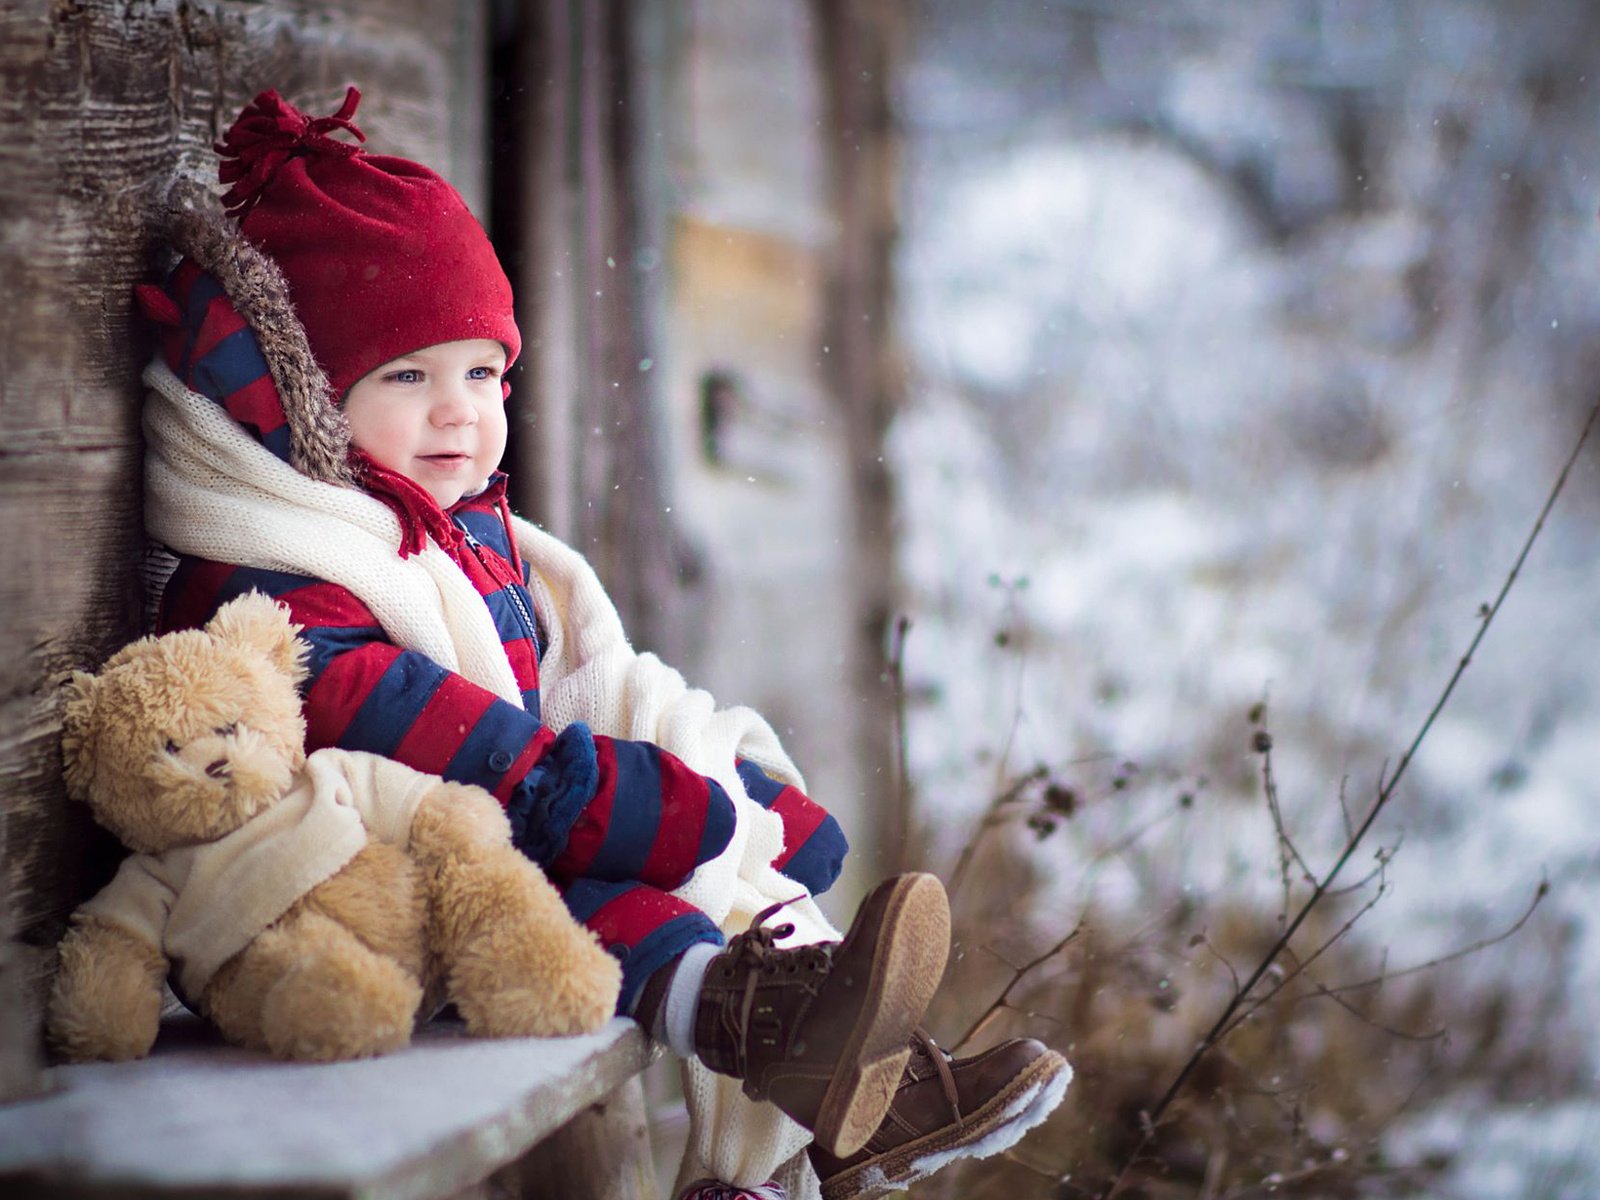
(180, 741)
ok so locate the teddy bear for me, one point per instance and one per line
(310, 906)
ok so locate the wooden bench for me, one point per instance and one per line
(450, 1116)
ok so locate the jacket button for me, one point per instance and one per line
(618, 951)
(500, 760)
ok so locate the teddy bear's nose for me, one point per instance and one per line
(217, 769)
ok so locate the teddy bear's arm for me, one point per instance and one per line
(106, 1000)
(431, 818)
(457, 820)
(515, 962)
(518, 963)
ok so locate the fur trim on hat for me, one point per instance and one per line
(197, 228)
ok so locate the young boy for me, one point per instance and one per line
(325, 425)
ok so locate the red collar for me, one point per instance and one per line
(419, 513)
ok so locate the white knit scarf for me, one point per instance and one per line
(214, 491)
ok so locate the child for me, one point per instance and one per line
(325, 425)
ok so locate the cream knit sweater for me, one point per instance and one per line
(212, 490)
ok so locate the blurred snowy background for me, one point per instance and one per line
(1245, 342)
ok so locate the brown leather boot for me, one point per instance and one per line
(948, 1108)
(823, 1031)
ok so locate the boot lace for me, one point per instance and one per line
(924, 1047)
(755, 952)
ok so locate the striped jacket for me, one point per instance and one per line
(365, 693)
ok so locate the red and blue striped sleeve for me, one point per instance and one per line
(814, 845)
(644, 927)
(365, 693)
(580, 805)
(651, 818)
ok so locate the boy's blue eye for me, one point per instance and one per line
(407, 376)
(481, 373)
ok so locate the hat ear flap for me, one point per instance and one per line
(257, 622)
(77, 737)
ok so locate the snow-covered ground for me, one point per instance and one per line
(1198, 420)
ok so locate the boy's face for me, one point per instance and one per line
(435, 415)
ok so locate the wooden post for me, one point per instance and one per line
(603, 1153)
(591, 442)
(858, 53)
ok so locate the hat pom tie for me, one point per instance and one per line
(271, 131)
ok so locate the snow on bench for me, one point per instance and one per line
(200, 1118)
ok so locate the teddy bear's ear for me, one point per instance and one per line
(77, 719)
(258, 622)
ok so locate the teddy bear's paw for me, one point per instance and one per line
(330, 1007)
(491, 906)
(458, 821)
(559, 1011)
(553, 981)
(533, 1014)
(92, 1036)
(105, 1004)
(516, 962)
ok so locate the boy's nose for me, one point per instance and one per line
(452, 406)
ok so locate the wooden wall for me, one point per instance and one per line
(101, 103)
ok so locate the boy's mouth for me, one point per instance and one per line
(445, 460)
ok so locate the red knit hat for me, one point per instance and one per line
(382, 256)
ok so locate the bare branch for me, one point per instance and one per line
(1132, 837)
(1286, 847)
(1386, 791)
(1201, 939)
(902, 753)
(1264, 745)
(994, 815)
(1003, 1001)
(1320, 991)
(1289, 976)
(1383, 857)
(1044, 1173)
(1003, 639)
(1515, 928)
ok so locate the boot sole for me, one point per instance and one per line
(1018, 1107)
(913, 943)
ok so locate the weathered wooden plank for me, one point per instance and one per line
(198, 1118)
(101, 104)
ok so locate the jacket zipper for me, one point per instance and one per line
(512, 591)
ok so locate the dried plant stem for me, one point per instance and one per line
(1322, 992)
(1241, 1014)
(1287, 851)
(994, 815)
(900, 824)
(1386, 789)
(1539, 894)
(1003, 1000)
